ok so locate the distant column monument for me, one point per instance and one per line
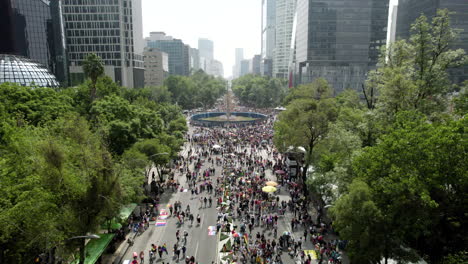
(228, 105)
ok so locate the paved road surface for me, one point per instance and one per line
(199, 244)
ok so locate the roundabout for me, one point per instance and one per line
(223, 118)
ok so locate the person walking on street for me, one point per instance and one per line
(160, 251)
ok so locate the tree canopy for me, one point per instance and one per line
(393, 168)
(259, 91)
(69, 161)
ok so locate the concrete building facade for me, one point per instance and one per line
(156, 67)
(178, 52)
(113, 30)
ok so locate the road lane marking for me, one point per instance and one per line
(196, 250)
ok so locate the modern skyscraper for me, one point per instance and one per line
(216, 68)
(339, 40)
(255, 66)
(112, 30)
(410, 10)
(34, 29)
(239, 56)
(206, 48)
(244, 67)
(194, 59)
(391, 37)
(179, 57)
(285, 11)
(156, 67)
(268, 28)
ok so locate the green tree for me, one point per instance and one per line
(259, 91)
(414, 74)
(418, 176)
(305, 123)
(93, 68)
(35, 106)
(359, 220)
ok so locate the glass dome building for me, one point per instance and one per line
(25, 72)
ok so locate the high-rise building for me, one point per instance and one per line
(268, 28)
(410, 10)
(239, 56)
(255, 66)
(216, 68)
(112, 30)
(266, 67)
(179, 57)
(339, 40)
(285, 11)
(206, 48)
(156, 67)
(391, 34)
(244, 67)
(194, 59)
(34, 29)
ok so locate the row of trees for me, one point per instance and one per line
(392, 170)
(199, 90)
(70, 158)
(259, 91)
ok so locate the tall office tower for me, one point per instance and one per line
(285, 11)
(268, 28)
(194, 59)
(205, 48)
(391, 34)
(410, 10)
(237, 63)
(255, 66)
(156, 67)
(216, 68)
(244, 67)
(113, 30)
(34, 29)
(179, 57)
(339, 40)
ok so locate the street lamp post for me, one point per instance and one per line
(160, 174)
(51, 257)
(82, 246)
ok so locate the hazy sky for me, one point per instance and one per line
(229, 23)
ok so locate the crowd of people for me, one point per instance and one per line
(245, 161)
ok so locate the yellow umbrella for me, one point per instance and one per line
(271, 183)
(269, 189)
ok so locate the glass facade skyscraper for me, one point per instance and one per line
(410, 10)
(268, 28)
(339, 40)
(35, 29)
(179, 57)
(206, 48)
(285, 11)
